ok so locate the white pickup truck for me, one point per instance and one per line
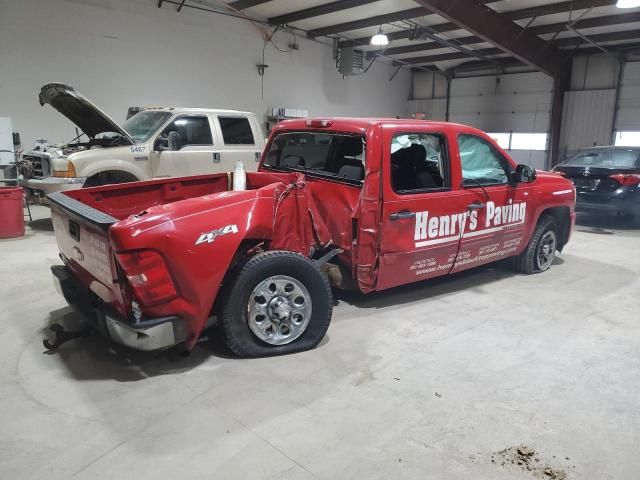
(154, 143)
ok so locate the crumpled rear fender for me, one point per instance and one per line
(199, 245)
(197, 249)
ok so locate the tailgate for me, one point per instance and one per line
(81, 233)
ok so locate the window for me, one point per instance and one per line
(520, 141)
(190, 130)
(418, 162)
(606, 158)
(627, 139)
(528, 141)
(502, 139)
(322, 154)
(143, 124)
(236, 131)
(481, 163)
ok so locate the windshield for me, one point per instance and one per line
(605, 158)
(327, 154)
(143, 124)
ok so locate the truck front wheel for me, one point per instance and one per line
(109, 178)
(278, 302)
(541, 250)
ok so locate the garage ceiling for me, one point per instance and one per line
(445, 34)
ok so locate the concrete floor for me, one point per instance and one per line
(426, 382)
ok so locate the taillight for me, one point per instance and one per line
(319, 123)
(626, 179)
(148, 276)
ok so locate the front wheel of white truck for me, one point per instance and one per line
(277, 303)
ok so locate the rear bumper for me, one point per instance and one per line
(625, 202)
(613, 207)
(146, 334)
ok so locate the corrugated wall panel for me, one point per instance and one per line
(435, 109)
(429, 85)
(587, 119)
(629, 102)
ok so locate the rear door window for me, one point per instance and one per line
(419, 162)
(236, 131)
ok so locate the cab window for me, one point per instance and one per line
(324, 154)
(481, 163)
(236, 131)
(418, 162)
(189, 130)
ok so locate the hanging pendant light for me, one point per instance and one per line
(628, 3)
(380, 39)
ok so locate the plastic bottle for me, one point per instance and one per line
(239, 177)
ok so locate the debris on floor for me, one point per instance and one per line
(527, 459)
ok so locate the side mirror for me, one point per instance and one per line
(170, 142)
(524, 174)
(173, 140)
(161, 144)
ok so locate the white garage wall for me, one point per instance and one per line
(123, 53)
(518, 102)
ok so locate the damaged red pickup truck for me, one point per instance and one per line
(362, 203)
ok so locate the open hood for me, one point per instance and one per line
(89, 118)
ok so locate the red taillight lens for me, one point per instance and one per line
(626, 179)
(319, 123)
(148, 276)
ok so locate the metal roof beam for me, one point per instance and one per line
(599, 38)
(500, 31)
(539, 30)
(318, 10)
(604, 21)
(243, 4)
(369, 22)
(449, 56)
(521, 14)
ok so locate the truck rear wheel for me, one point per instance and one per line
(541, 250)
(279, 302)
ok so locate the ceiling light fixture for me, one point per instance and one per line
(380, 39)
(628, 3)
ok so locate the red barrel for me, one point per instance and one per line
(11, 212)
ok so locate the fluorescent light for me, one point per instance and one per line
(380, 39)
(628, 3)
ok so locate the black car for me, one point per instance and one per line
(606, 179)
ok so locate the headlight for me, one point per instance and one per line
(70, 172)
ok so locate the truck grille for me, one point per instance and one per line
(35, 166)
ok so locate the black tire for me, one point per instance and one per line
(528, 261)
(236, 295)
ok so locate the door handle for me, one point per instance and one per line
(402, 215)
(475, 206)
(216, 157)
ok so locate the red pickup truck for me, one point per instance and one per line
(351, 203)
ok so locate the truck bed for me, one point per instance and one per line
(107, 204)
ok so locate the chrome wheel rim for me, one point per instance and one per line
(279, 310)
(546, 250)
